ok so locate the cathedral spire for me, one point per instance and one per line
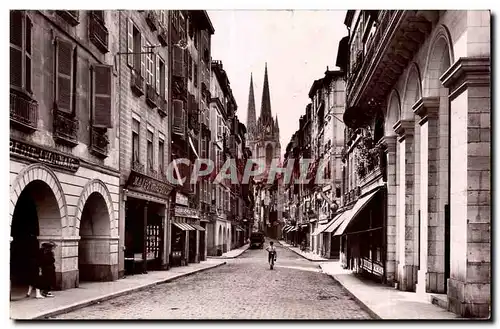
(251, 121)
(265, 109)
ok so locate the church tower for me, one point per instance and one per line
(263, 136)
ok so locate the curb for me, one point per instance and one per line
(311, 260)
(85, 303)
(230, 257)
(365, 307)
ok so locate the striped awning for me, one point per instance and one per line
(285, 227)
(289, 229)
(184, 226)
(351, 214)
(198, 227)
(332, 226)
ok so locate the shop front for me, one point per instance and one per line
(187, 233)
(362, 235)
(146, 214)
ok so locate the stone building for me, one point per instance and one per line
(143, 63)
(327, 140)
(64, 160)
(418, 114)
(191, 65)
(222, 110)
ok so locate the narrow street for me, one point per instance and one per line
(244, 288)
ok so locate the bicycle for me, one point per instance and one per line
(273, 258)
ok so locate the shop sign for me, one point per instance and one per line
(366, 264)
(377, 269)
(42, 155)
(143, 183)
(181, 199)
(186, 212)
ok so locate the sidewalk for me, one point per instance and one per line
(232, 253)
(307, 255)
(92, 292)
(384, 302)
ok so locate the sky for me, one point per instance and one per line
(297, 45)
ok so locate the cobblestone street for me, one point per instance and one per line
(245, 288)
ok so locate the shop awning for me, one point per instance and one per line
(184, 226)
(360, 204)
(304, 225)
(198, 227)
(285, 227)
(332, 226)
(293, 229)
(289, 229)
(320, 229)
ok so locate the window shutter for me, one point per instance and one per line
(178, 62)
(165, 70)
(64, 69)
(16, 54)
(158, 74)
(102, 96)
(143, 58)
(178, 120)
(130, 42)
(187, 58)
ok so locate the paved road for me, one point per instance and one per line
(244, 288)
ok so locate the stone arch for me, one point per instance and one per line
(439, 59)
(393, 112)
(39, 172)
(412, 91)
(95, 186)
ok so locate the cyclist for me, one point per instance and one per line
(271, 249)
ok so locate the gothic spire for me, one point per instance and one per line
(251, 121)
(265, 109)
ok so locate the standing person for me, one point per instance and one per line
(48, 268)
(32, 267)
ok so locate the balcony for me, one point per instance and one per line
(137, 83)
(65, 128)
(98, 33)
(23, 112)
(352, 195)
(398, 36)
(70, 16)
(137, 166)
(99, 142)
(151, 96)
(152, 20)
(163, 36)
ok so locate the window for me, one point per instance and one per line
(150, 65)
(337, 192)
(161, 78)
(101, 91)
(65, 53)
(135, 140)
(20, 50)
(150, 149)
(134, 46)
(161, 154)
(195, 75)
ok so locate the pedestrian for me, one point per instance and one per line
(32, 267)
(48, 269)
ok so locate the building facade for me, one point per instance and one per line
(417, 115)
(64, 142)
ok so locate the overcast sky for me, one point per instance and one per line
(297, 45)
